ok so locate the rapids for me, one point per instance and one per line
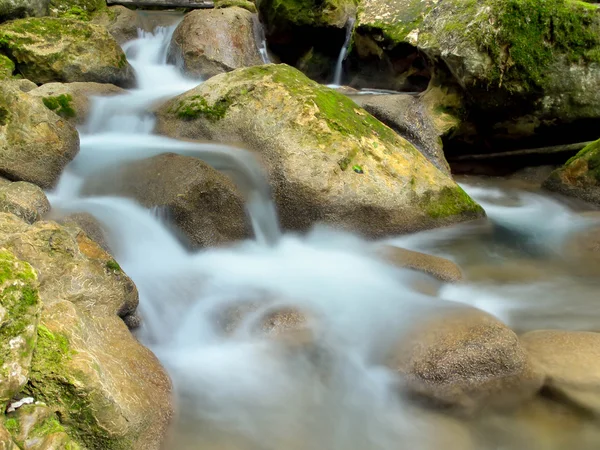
(245, 392)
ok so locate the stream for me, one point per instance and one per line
(237, 391)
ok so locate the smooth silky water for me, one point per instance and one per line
(240, 391)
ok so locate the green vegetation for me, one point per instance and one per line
(591, 156)
(113, 265)
(450, 202)
(197, 106)
(4, 116)
(246, 4)
(7, 66)
(12, 425)
(61, 105)
(49, 426)
(316, 13)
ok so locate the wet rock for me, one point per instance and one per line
(65, 50)
(89, 224)
(72, 101)
(409, 116)
(210, 42)
(35, 143)
(569, 361)
(328, 160)
(580, 176)
(202, 202)
(441, 268)
(24, 200)
(19, 314)
(15, 9)
(121, 22)
(464, 359)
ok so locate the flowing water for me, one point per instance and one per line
(339, 66)
(236, 389)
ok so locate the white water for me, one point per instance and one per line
(248, 391)
(261, 40)
(339, 66)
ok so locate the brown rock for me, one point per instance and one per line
(6, 442)
(121, 22)
(201, 201)
(441, 268)
(24, 200)
(89, 224)
(209, 42)
(465, 359)
(570, 362)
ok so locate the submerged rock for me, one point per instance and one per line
(25, 200)
(65, 50)
(121, 22)
(202, 202)
(35, 143)
(570, 362)
(441, 268)
(72, 101)
(209, 42)
(465, 359)
(328, 159)
(19, 314)
(580, 176)
(15, 9)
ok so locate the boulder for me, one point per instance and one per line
(328, 159)
(463, 358)
(517, 85)
(121, 22)
(570, 362)
(19, 313)
(580, 176)
(24, 200)
(202, 202)
(35, 143)
(72, 100)
(281, 15)
(582, 250)
(245, 4)
(65, 50)
(15, 9)
(209, 42)
(76, 9)
(410, 117)
(90, 226)
(441, 268)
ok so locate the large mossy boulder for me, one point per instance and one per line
(580, 176)
(328, 159)
(35, 143)
(280, 15)
(527, 65)
(7, 67)
(15, 9)
(65, 50)
(102, 388)
(77, 9)
(19, 315)
(209, 42)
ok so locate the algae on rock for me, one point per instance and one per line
(310, 137)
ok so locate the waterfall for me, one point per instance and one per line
(261, 39)
(337, 77)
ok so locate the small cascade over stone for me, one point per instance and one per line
(339, 66)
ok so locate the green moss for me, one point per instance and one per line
(76, 9)
(60, 104)
(246, 4)
(315, 13)
(113, 265)
(4, 116)
(197, 106)
(450, 202)
(75, 12)
(49, 426)
(12, 425)
(591, 155)
(7, 66)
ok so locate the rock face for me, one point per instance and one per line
(465, 359)
(121, 22)
(103, 388)
(580, 176)
(328, 159)
(441, 268)
(202, 202)
(15, 9)
(80, 9)
(280, 15)
(72, 100)
(569, 361)
(65, 50)
(35, 143)
(210, 42)
(19, 314)
(517, 85)
(24, 200)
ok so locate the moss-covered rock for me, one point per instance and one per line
(245, 4)
(25, 200)
(35, 143)
(102, 389)
(209, 42)
(328, 159)
(6, 442)
(7, 66)
(72, 101)
(580, 176)
(75, 9)
(66, 50)
(282, 14)
(15, 9)
(121, 22)
(19, 314)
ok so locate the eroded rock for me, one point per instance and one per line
(25, 200)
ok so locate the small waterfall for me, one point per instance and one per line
(337, 78)
(261, 39)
